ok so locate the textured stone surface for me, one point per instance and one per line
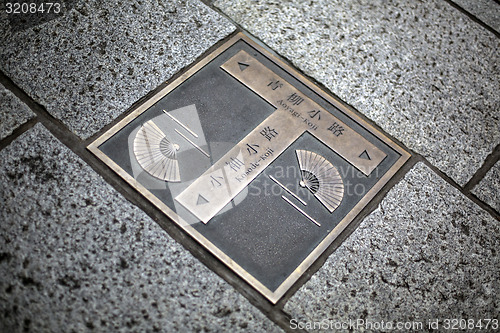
(488, 188)
(487, 11)
(91, 64)
(13, 112)
(421, 69)
(76, 256)
(426, 252)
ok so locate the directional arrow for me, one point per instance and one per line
(364, 155)
(201, 200)
(243, 66)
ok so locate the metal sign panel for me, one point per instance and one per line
(252, 160)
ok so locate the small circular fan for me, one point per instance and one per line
(156, 153)
(320, 177)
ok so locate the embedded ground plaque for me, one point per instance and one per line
(252, 160)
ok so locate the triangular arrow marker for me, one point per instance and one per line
(201, 200)
(243, 66)
(364, 155)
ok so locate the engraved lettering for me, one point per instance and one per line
(235, 164)
(288, 108)
(251, 149)
(311, 125)
(295, 99)
(275, 84)
(315, 113)
(215, 181)
(253, 166)
(336, 129)
(269, 133)
(269, 152)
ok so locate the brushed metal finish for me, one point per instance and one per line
(306, 114)
(295, 114)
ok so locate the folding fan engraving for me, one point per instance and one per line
(156, 153)
(320, 177)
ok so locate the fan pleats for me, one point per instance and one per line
(156, 154)
(321, 178)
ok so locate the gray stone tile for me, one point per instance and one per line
(13, 112)
(426, 252)
(488, 188)
(76, 256)
(91, 64)
(422, 70)
(487, 11)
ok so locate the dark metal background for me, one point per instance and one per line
(263, 233)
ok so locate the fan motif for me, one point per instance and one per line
(156, 153)
(320, 177)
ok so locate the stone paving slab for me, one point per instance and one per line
(90, 65)
(426, 252)
(76, 256)
(488, 189)
(422, 70)
(13, 112)
(487, 11)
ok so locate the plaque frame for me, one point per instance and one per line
(272, 296)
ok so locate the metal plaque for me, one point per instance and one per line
(252, 160)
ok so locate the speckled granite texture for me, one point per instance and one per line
(93, 63)
(13, 112)
(487, 11)
(422, 70)
(75, 256)
(488, 188)
(426, 252)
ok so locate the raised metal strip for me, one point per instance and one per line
(181, 124)
(288, 190)
(295, 114)
(307, 114)
(192, 143)
(213, 190)
(301, 211)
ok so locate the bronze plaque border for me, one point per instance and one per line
(311, 258)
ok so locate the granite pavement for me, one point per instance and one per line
(488, 188)
(76, 256)
(13, 112)
(487, 11)
(422, 70)
(91, 64)
(434, 257)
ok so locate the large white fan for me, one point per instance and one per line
(320, 177)
(156, 154)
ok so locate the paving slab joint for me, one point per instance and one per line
(161, 86)
(78, 146)
(474, 17)
(275, 313)
(466, 193)
(17, 132)
(489, 162)
(374, 203)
